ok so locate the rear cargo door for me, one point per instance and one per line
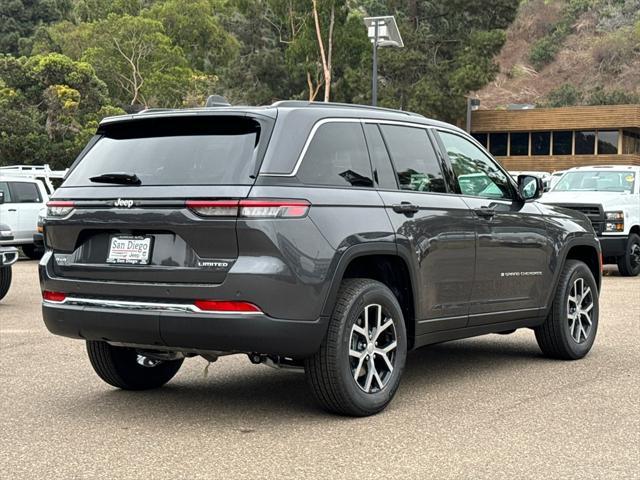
(155, 200)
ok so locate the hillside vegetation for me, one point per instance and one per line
(577, 52)
(65, 64)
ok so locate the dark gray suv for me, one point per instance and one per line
(329, 237)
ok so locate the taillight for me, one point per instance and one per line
(214, 208)
(250, 208)
(59, 208)
(56, 297)
(274, 208)
(226, 306)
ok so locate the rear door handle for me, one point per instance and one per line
(485, 212)
(12, 210)
(405, 207)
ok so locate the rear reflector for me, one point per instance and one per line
(54, 296)
(250, 208)
(59, 208)
(225, 306)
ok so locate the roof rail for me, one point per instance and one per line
(153, 110)
(304, 103)
(40, 172)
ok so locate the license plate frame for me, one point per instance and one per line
(128, 252)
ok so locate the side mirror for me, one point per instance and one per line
(529, 187)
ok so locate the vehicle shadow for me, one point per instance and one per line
(258, 394)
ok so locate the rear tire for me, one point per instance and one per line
(570, 329)
(33, 252)
(5, 281)
(629, 263)
(358, 367)
(118, 366)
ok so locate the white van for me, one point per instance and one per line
(21, 200)
(610, 196)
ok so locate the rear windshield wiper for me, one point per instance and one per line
(117, 177)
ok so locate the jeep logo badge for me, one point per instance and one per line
(123, 203)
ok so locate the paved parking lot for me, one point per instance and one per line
(490, 407)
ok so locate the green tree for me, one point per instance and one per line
(50, 106)
(195, 27)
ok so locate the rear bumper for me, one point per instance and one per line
(186, 330)
(613, 246)
(38, 240)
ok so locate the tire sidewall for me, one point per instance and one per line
(374, 294)
(626, 258)
(577, 350)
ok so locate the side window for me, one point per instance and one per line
(337, 155)
(415, 160)
(4, 188)
(25, 192)
(478, 175)
(382, 169)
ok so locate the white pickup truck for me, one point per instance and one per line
(21, 200)
(610, 196)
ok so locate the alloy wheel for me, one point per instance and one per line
(372, 349)
(579, 308)
(634, 255)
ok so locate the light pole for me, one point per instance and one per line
(472, 104)
(383, 32)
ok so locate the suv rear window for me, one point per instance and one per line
(174, 151)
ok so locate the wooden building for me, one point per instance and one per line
(550, 139)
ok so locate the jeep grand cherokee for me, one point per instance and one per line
(330, 237)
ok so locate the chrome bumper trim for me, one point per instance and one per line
(143, 306)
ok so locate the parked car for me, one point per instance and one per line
(21, 199)
(610, 196)
(325, 236)
(8, 256)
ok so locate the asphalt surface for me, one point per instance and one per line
(490, 407)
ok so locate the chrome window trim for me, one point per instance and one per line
(324, 121)
(144, 306)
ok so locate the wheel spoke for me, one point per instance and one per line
(587, 291)
(378, 319)
(358, 329)
(390, 347)
(585, 316)
(377, 377)
(370, 370)
(384, 356)
(366, 322)
(358, 369)
(355, 353)
(384, 326)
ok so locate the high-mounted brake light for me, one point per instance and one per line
(226, 306)
(250, 208)
(56, 297)
(59, 208)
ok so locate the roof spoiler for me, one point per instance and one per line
(217, 101)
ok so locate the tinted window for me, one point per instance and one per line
(562, 143)
(519, 144)
(382, 170)
(24, 192)
(175, 151)
(482, 138)
(585, 143)
(498, 144)
(417, 166)
(540, 143)
(4, 188)
(337, 155)
(608, 142)
(478, 175)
